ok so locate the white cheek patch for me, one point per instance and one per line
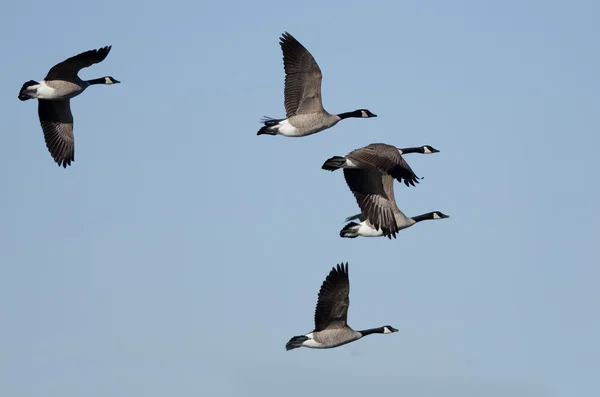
(363, 113)
(386, 330)
(426, 150)
(436, 216)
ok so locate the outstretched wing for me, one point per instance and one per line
(302, 78)
(70, 67)
(56, 120)
(387, 159)
(367, 185)
(333, 302)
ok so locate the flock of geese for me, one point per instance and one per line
(369, 172)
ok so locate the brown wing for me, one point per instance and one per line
(367, 185)
(388, 159)
(57, 123)
(333, 302)
(388, 188)
(70, 67)
(302, 78)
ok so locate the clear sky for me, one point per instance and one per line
(180, 252)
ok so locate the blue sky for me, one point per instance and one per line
(180, 252)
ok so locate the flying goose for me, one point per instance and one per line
(366, 229)
(331, 314)
(370, 172)
(54, 107)
(303, 106)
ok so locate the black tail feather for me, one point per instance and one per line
(296, 342)
(348, 229)
(268, 122)
(265, 130)
(22, 95)
(334, 163)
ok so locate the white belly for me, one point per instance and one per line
(313, 344)
(43, 91)
(286, 129)
(368, 231)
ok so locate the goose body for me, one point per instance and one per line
(305, 114)
(366, 229)
(369, 173)
(331, 314)
(54, 93)
(54, 89)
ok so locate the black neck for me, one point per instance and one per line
(101, 80)
(423, 217)
(412, 150)
(356, 113)
(372, 331)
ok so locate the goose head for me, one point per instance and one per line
(365, 113)
(438, 215)
(388, 329)
(110, 80)
(427, 149)
(359, 113)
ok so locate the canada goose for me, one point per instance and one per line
(331, 314)
(54, 107)
(366, 229)
(382, 158)
(370, 172)
(303, 105)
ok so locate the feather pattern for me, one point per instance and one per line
(372, 196)
(56, 120)
(69, 68)
(302, 78)
(387, 159)
(332, 305)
